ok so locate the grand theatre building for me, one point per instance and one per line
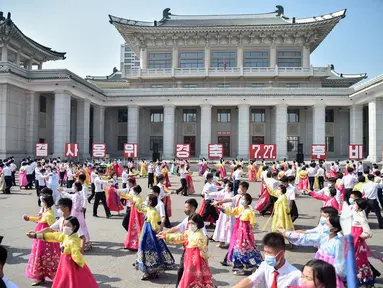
(233, 80)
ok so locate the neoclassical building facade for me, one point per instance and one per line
(233, 80)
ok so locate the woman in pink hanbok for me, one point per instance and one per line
(303, 180)
(251, 175)
(221, 168)
(189, 181)
(23, 182)
(333, 173)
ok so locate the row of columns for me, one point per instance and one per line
(27, 63)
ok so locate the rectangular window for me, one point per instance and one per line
(222, 85)
(190, 115)
(223, 115)
(292, 85)
(289, 59)
(292, 115)
(219, 59)
(292, 143)
(190, 85)
(192, 60)
(258, 115)
(258, 85)
(256, 59)
(157, 86)
(122, 115)
(156, 141)
(43, 104)
(329, 115)
(156, 116)
(160, 60)
(121, 140)
(41, 140)
(330, 145)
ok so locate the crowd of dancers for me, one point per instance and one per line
(61, 237)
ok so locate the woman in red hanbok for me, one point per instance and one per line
(189, 181)
(113, 199)
(165, 172)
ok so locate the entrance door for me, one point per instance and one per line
(258, 140)
(225, 141)
(190, 140)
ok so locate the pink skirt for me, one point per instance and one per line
(23, 179)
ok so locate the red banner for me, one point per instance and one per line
(182, 151)
(318, 152)
(263, 151)
(41, 149)
(355, 152)
(215, 151)
(98, 150)
(131, 150)
(71, 150)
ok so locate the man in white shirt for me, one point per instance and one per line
(189, 209)
(84, 192)
(100, 195)
(158, 171)
(150, 174)
(273, 183)
(70, 177)
(370, 192)
(125, 177)
(360, 168)
(320, 175)
(7, 172)
(349, 182)
(183, 187)
(93, 177)
(162, 194)
(128, 189)
(13, 169)
(274, 271)
(160, 206)
(311, 171)
(29, 174)
(291, 191)
(237, 178)
(3, 259)
(210, 210)
(289, 172)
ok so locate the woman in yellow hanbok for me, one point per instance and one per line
(281, 212)
(143, 169)
(260, 170)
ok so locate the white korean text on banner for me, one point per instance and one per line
(318, 152)
(41, 149)
(263, 151)
(131, 150)
(355, 152)
(182, 151)
(98, 150)
(71, 150)
(215, 151)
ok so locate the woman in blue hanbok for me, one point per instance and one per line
(330, 243)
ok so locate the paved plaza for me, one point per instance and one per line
(112, 265)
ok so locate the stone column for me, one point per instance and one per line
(98, 124)
(205, 129)
(306, 56)
(144, 58)
(83, 122)
(356, 124)
(175, 57)
(169, 130)
(207, 58)
(239, 56)
(18, 58)
(273, 58)
(133, 124)
(40, 67)
(4, 53)
(319, 124)
(375, 130)
(61, 122)
(243, 131)
(30, 63)
(281, 130)
(32, 122)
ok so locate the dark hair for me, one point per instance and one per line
(331, 211)
(284, 179)
(209, 176)
(335, 222)
(46, 191)
(350, 169)
(74, 221)
(269, 174)
(331, 179)
(137, 189)
(82, 177)
(291, 179)
(230, 184)
(323, 271)
(192, 202)
(160, 178)
(153, 200)
(65, 202)
(131, 181)
(366, 170)
(370, 177)
(78, 186)
(361, 179)
(156, 189)
(283, 189)
(248, 198)
(48, 200)
(332, 191)
(244, 184)
(3, 255)
(274, 240)
(357, 194)
(197, 219)
(362, 203)
(377, 173)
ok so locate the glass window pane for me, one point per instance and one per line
(330, 145)
(329, 115)
(122, 115)
(292, 143)
(293, 115)
(258, 115)
(219, 59)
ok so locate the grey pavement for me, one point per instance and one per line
(112, 265)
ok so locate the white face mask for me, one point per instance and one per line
(60, 213)
(193, 227)
(67, 230)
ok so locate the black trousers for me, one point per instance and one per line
(372, 204)
(311, 183)
(62, 175)
(321, 182)
(39, 193)
(150, 180)
(180, 271)
(236, 185)
(69, 183)
(209, 210)
(183, 187)
(30, 181)
(125, 221)
(123, 201)
(93, 192)
(84, 211)
(271, 203)
(14, 178)
(347, 193)
(294, 211)
(8, 184)
(380, 196)
(100, 196)
(37, 187)
(167, 221)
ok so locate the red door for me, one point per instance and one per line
(225, 141)
(190, 140)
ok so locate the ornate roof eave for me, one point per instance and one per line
(10, 30)
(340, 79)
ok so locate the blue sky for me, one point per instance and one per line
(81, 28)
